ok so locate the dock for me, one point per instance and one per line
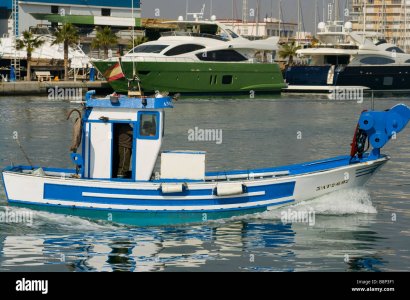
(28, 88)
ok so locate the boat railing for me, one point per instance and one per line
(193, 34)
(332, 46)
(188, 59)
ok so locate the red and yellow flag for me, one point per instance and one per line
(114, 73)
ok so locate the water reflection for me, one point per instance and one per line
(262, 246)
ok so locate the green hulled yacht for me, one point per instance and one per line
(198, 57)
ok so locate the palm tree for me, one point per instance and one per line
(138, 41)
(289, 51)
(67, 35)
(104, 39)
(30, 43)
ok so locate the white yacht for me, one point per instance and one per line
(344, 58)
(198, 57)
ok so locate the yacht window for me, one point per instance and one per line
(227, 79)
(183, 49)
(395, 49)
(233, 34)
(106, 12)
(377, 61)
(221, 55)
(148, 125)
(149, 48)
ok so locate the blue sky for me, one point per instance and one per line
(223, 8)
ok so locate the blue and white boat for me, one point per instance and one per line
(183, 192)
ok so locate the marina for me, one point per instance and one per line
(356, 223)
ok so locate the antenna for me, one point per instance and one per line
(197, 16)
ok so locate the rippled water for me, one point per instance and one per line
(356, 230)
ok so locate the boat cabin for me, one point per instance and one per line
(106, 121)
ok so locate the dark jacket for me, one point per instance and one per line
(125, 136)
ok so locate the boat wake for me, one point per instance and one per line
(38, 221)
(344, 202)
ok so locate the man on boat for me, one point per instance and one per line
(125, 136)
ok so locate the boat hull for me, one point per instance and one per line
(391, 78)
(199, 77)
(144, 204)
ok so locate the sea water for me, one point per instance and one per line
(366, 229)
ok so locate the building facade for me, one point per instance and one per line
(388, 17)
(82, 13)
(268, 28)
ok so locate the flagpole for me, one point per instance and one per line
(133, 39)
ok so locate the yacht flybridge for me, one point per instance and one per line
(198, 57)
(344, 58)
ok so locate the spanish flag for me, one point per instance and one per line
(114, 73)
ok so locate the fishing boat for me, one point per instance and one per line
(198, 57)
(343, 58)
(182, 191)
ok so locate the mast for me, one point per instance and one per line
(364, 15)
(210, 10)
(323, 11)
(280, 18)
(315, 18)
(299, 25)
(245, 11)
(405, 25)
(257, 17)
(336, 4)
(186, 9)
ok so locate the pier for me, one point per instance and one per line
(21, 88)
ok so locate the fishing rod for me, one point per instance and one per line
(24, 152)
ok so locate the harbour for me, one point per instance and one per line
(249, 136)
(358, 230)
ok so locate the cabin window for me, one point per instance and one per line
(148, 125)
(54, 10)
(377, 60)
(105, 12)
(227, 79)
(221, 55)
(183, 49)
(149, 48)
(395, 49)
(388, 81)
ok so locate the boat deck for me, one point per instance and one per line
(236, 175)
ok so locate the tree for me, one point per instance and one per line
(66, 34)
(138, 41)
(289, 51)
(30, 43)
(104, 39)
